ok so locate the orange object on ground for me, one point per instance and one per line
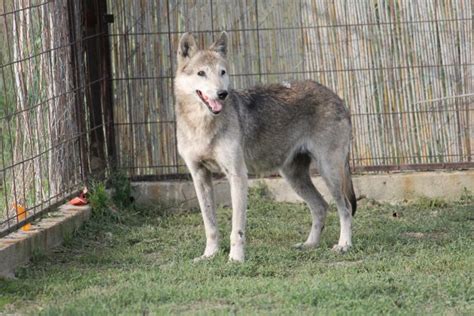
(21, 215)
(80, 200)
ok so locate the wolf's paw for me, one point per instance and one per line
(203, 258)
(341, 249)
(236, 254)
(236, 260)
(305, 245)
(209, 253)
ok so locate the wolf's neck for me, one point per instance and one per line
(192, 117)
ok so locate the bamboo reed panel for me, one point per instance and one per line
(383, 57)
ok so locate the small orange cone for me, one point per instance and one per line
(21, 215)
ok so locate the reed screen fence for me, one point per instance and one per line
(403, 67)
(88, 85)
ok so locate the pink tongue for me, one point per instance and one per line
(215, 105)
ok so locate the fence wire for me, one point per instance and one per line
(404, 68)
(51, 136)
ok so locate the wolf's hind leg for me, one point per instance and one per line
(297, 174)
(335, 175)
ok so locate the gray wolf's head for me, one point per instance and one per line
(202, 74)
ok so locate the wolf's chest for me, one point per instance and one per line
(196, 147)
(200, 152)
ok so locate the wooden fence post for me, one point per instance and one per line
(98, 85)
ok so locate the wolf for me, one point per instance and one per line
(267, 128)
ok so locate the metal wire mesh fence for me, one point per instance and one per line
(52, 104)
(405, 69)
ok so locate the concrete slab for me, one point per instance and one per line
(394, 187)
(18, 247)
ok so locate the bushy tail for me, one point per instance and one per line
(349, 188)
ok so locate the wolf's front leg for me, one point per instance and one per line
(238, 189)
(202, 179)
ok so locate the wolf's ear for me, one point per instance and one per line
(220, 45)
(187, 48)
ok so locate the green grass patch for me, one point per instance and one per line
(407, 259)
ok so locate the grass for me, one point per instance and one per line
(407, 259)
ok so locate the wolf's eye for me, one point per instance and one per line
(222, 72)
(201, 73)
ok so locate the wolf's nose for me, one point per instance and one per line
(222, 94)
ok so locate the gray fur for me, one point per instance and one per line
(262, 129)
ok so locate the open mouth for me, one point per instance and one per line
(213, 105)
